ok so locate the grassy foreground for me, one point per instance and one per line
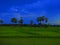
(11, 35)
(30, 31)
(29, 41)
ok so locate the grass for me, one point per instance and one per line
(29, 41)
(29, 31)
(12, 35)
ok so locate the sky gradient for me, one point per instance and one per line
(30, 9)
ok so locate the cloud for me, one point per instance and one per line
(37, 4)
(38, 7)
(13, 9)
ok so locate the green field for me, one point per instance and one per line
(10, 35)
(29, 41)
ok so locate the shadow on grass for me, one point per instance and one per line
(30, 33)
(28, 37)
(57, 31)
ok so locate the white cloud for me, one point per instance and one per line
(38, 4)
(13, 9)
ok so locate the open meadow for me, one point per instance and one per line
(10, 35)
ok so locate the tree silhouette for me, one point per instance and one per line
(31, 22)
(21, 21)
(39, 19)
(46, 20)
(1, 21)
(13, 20)
(42, 19)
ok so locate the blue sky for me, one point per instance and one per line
(30, 9)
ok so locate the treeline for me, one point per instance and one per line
(25, 25)
(41, 21)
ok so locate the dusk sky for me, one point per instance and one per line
(30, 9)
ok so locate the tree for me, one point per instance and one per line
(39, 19)
(13, 20)
(1, 21)
(31, 22)
(21, 21)
(42, 19)
(46, 20)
